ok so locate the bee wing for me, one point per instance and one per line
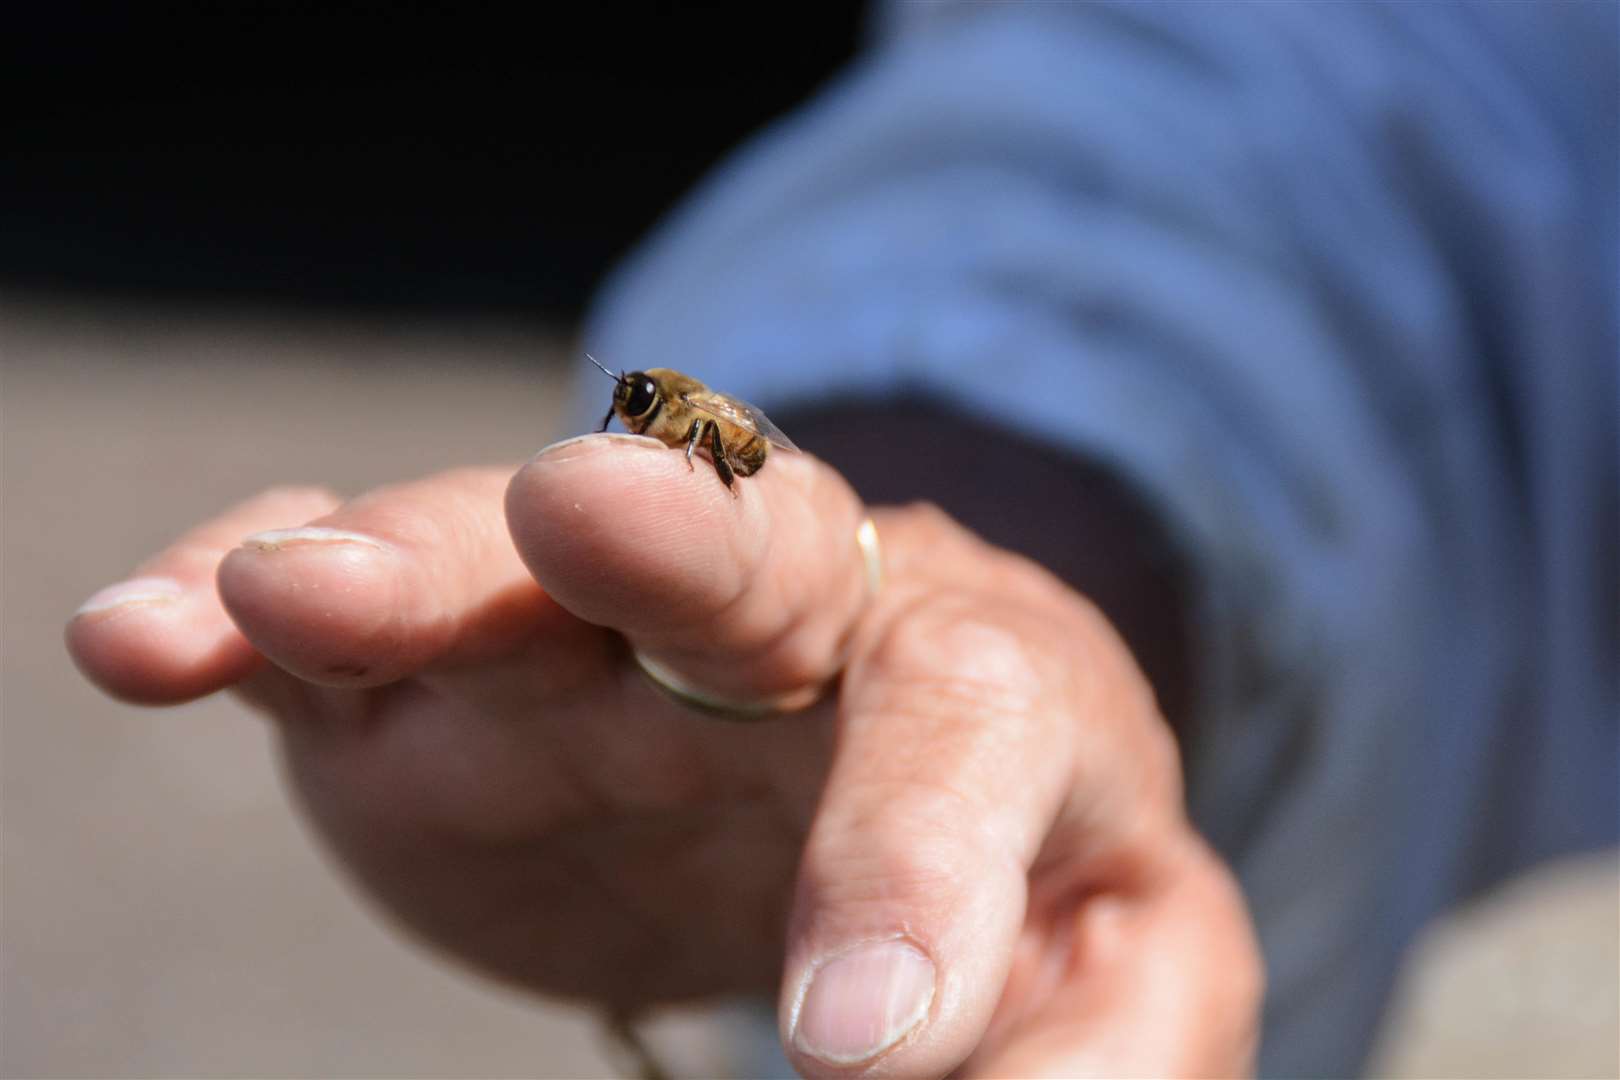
(739, 412)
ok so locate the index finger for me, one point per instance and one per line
(747, 596)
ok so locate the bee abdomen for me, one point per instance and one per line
(747, 456)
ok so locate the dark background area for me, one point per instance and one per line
(378, 157)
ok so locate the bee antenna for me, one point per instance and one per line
(602, 369)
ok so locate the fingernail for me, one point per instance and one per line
(862, 1002)
(595, 438)
(142, 590)
(276, 539)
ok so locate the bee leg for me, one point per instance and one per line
(722, 464)
(606, 420)
(693, 437)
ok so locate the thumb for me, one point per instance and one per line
(956, 738)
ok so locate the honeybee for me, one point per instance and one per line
(678, 411)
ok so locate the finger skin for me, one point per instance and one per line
(991, 723)
(746, 595)
(164, 637)
(402, 579)
(1164, 981)
(951, 766)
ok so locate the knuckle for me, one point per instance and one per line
(905, 841)
(930, 525)
(949, 655)
(927, 514)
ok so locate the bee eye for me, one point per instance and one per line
(642, 393)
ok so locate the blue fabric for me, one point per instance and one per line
(1335, 285)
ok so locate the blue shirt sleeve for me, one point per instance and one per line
(1334, 286)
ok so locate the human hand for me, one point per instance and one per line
(973, 855)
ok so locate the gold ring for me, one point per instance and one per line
(679, 690)
(866, 538)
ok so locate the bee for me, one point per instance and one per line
(677, 410)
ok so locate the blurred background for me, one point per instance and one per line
(350, 246)
(349, 156)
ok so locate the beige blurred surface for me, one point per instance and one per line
(1523, 982)
(162, 913)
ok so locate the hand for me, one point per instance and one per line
(974, 854)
